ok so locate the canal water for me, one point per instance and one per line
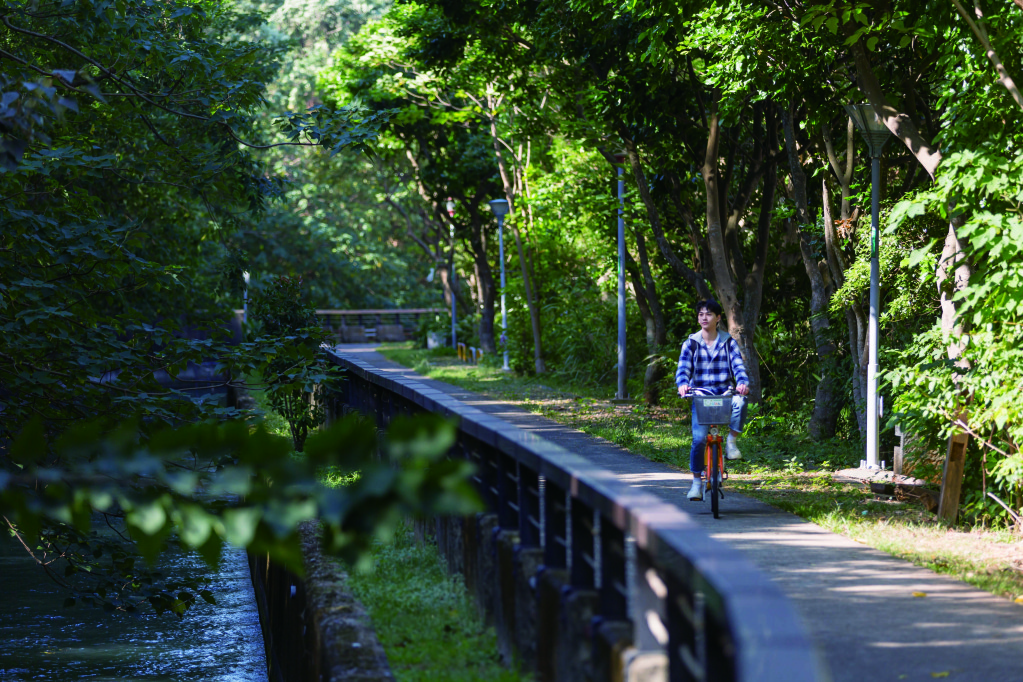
(42, 640)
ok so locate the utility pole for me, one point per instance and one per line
(621, 395)
(876, 134)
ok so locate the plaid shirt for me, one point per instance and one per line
(702, 367)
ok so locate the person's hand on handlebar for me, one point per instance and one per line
(741, 389)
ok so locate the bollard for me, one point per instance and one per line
(504, 613)
(573, 657)
(486, 565)
(455, 553)
(551, 582)
(611, 640)
(528, 565)
(470, 548)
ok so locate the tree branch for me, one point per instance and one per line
(695, 279)
(899, 123)
(978, 30)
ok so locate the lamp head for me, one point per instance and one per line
(620, 157)
(870, 125)
(499, 207)
(245, 276)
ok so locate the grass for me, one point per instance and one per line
(424, 617)
(781, 466)
(660, 434)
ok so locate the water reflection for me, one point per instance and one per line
(39, 639)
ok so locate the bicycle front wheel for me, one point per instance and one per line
(715, 479)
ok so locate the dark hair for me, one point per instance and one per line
(711, 305)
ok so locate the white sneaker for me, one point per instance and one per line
(732, 450)
(696, 492)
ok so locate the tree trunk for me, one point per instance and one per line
(487, 288)
(695, 279)
(824, 421)
(444, 273)
(854, 315)
(650, 307)
(534, 309)
(657, 334)
(654, 370)
(899, 123)
(981, 33)
(753, 286)
(855, 319)
(723, 274)
(660, 336)
(954, 261)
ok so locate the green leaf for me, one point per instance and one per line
(918, 255)
(150, 518)
(240, 525)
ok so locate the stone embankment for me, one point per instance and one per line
(313, 628)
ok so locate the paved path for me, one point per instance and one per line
(857, 602)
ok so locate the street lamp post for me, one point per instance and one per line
(622, 368)
(500, 209)
(875, 133)
(450, 205)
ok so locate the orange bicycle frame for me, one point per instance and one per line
(708, 454)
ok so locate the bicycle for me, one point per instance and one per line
(716, 411)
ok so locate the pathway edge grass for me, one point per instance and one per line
(425, 619)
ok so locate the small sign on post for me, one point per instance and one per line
(900, 450)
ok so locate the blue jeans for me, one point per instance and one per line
(700, 432)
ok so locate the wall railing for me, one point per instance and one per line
(585, 576)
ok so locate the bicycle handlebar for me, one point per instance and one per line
(695, 391)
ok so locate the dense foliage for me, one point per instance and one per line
(746, 181)
(134, 190)
(152, 152)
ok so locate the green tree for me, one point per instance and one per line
(128, 185)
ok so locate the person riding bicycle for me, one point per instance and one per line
(710, 361)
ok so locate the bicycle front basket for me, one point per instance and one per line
(713, 409)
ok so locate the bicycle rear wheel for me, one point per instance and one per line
(715, 479)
